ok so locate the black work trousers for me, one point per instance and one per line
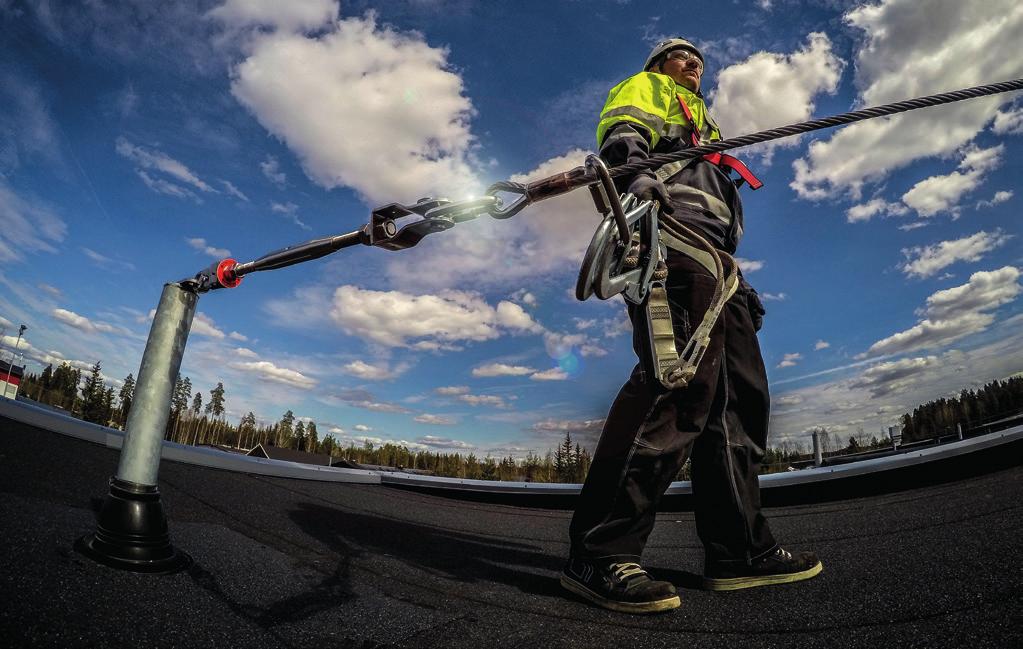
(719, 420)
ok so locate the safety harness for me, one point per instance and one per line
(719, 159)
(674, 369)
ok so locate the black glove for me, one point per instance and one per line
(649, 188)
(753, 303)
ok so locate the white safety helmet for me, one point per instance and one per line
(666, 46)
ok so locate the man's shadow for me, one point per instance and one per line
(451, 554)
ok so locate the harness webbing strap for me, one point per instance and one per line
(661, 330)
(720, 159)
(674, 369)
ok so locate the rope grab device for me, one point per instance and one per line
(626, 254)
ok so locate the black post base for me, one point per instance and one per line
(131, 532)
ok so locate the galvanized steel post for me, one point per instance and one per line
(959, 431)
(818, 456)
(131, 530)
(150, 407)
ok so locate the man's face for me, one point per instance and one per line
(684, 67)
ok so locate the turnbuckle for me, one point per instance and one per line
(436, 215)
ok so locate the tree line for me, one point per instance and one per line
(971, 409)
(195, 419)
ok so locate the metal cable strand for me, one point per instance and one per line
(659, 160)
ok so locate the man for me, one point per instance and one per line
(720, 418)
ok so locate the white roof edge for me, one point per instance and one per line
(66, 425)
(201, 456)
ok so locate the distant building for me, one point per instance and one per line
(10, 379)
(290, 455)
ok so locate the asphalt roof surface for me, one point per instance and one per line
(293, 563)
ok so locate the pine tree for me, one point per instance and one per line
(45, 382)
(300, 436)
(108, 406)
(312, 439)
(285, 430)
(216, 404)
(126, 395)
(246, 430)
(564, 462)
(92, 396)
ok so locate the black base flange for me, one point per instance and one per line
(131, 532)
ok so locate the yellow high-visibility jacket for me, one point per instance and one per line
(642, 116)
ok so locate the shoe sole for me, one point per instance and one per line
(622, 607)
(738, 583)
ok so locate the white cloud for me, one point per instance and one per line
(912, 49)
(895, 376)
(955, 313)
(1009, 122)
(927, 261)
(234, 191)
(393, 318)
(330, 97)
(873, 207)
(524, 296)
(373, 372)
(932, 333)
(789, 360)
(198, 243)
(286, 16)
(52, 290)
(452, 390)
(443, 442)
(747, 96)
(270, 372)
(290, 212)
(161, 186)
(998, 198)
(82, 323)
(362, 428)
(436, 420)
(271, 168)
(774, 297)
(364, 400)
(483, 400)
(553, 374)
(245, 352)
(821, 344)
(161, 162)
(749, 265)
(26, 226)
(203, 325)
(789, 400)
(234, 335)
(27, 127)
(583, 427)
(942, 193)
(501, 369)
(985, 291)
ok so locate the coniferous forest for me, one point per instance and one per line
(197, 418)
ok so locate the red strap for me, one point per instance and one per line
(741, 169)
(720, 159)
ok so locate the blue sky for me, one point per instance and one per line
(139, 143)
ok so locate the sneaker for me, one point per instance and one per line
(779, 567)
(623, 587)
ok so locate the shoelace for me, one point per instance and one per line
(622, 571)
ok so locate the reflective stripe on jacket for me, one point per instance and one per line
(650, 99)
